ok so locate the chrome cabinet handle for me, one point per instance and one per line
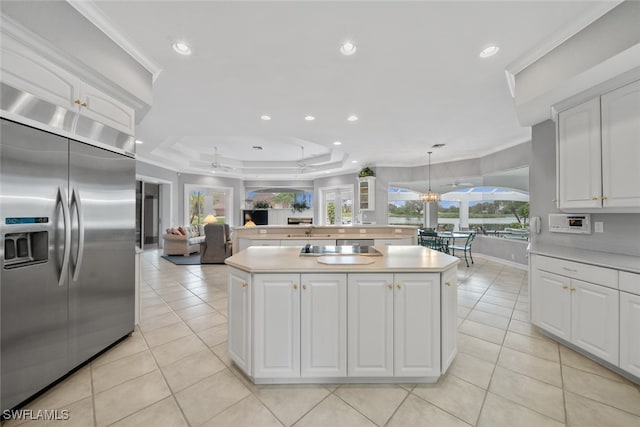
(62, 198)
(75, 200)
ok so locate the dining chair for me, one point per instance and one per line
(466, 247)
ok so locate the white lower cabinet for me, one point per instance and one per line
(338, 325)
(323, 325)
(370, 320)
(582, 313)
(240, 318)
(449, 316)
(276, 325)
(630, 333)
(394, 325)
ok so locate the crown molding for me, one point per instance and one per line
(89, 10)
(556, 39)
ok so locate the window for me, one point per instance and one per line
(287, 199)
(203, 201)
(337, 205)
(405, 207)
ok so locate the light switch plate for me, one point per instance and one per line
(598, 227)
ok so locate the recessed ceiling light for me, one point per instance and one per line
(352, 118)
(139, 142)
(265, 117)
(489, 51)
(354, 161)
(309, 118)
(337, 143)
(182, 48)
(348, 48)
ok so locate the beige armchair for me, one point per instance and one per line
(217, 244)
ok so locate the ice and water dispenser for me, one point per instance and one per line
(25, 247)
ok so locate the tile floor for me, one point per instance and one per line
(174, 371)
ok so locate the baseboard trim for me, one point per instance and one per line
(519, 266)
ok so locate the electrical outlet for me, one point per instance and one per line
(598, 226)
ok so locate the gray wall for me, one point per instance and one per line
(621, 231)
(511, 250)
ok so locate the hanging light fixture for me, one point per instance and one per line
(430, 196)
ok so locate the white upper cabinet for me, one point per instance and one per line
(367, 193)
(621, 147)
(599, 152)
(579, 159)
(29, 72)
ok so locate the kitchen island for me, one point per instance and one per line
(342, 318)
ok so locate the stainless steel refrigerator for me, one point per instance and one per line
(67, 256)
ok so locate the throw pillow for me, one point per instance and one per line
(182, 231)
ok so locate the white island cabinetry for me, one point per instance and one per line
(293, 319)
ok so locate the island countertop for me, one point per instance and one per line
(280, 259)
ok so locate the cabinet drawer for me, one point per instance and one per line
(588, 273)
(630, 282)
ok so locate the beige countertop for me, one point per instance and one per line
(394, 259)
(600, 259)
(318, 236)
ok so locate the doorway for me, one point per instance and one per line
(147, 215)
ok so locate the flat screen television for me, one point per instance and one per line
(259, 216)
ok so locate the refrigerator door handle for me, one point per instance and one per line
(62, 199)
(75, 199)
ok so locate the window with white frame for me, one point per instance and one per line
(208, 204)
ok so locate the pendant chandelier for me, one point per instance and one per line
(430, 196)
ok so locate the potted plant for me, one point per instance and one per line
(299, 206)
(261, 204)
(366, 171)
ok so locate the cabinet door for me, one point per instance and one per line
(105, 109)
(594, 319)
(417, 325)
(370, 325)
(240, 319)
(366, 193)
(621, 147)
(276, 325)
(579, 157)
(27, 71)
(551, 303)
(323, 325)
(449, 316)
(629, 335)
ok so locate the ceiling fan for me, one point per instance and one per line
(302, 164)
(216, 162)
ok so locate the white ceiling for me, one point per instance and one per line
(416, 80)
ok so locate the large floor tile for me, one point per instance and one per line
(195, 311)
(500, 412)
(291, 402)
(376, 401)
(416, 412)
(613, 393)
(148, 324)
(209, 320)
(174, 350)
(494, 309)
(73, 389)
(121, 370)
(525, 328)
(167, 333)
(214, 336)
(129, 397)
(165, 413)
(471, 369)
(457, 397)
(536, 395)
(531, 366)
(485, 332)
(485, 318)
(209, 397)
(477, 347)
(249, 412)
(578, 361)
(180, 304)
(583, 412)
(545, 349)
(333, 411)
(191, 369)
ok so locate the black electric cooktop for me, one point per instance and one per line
(312, 250)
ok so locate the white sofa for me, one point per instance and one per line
(183, 244)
